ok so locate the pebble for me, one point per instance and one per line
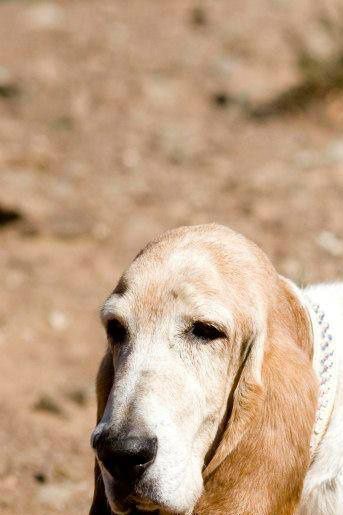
(329, 156)
(45, 15)
(48, 404)
(331, 243)
(58, 320)
(5, 76)
(55, 496)
(334, 151)
(8, 86)
(40, 477)
(101, 231)
(221, 99)
(78, 396)
(199, 16)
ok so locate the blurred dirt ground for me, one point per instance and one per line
(119, 120)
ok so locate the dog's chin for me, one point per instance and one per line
(124, 499)
(144, 504)
(150, 494)
(143, 498)
(136, 501)
(132, 503)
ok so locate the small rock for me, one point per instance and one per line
(48, 404)
(9, 215)
(78, 395)
(9, 91)
(221, 99)
(5, 76)
(334, 152)
(292, 268)
(161, 91)
(101, 231)
(58, 320)
(330, 156)
(8, 87)
(199, 17)
(56, 496)
(40, 477)
(223, 67)
(331, 243)
(45, 16)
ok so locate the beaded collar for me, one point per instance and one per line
(325, 366)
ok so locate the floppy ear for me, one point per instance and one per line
(260, 463)
(104, 383)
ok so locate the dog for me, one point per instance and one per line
(221, 390)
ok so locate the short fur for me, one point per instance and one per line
(259, 456)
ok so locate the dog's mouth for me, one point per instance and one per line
(129, 501)
(135, 506)
(144, 505)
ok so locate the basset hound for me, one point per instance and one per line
(221, 389)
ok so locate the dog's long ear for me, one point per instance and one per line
(261, 461)
(104, 383)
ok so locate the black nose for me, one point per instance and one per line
(126, 458)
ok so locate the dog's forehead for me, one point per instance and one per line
(207, 247)
(178, 271)
(191, 269)
(181, 278)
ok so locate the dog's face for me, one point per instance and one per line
(179, 325)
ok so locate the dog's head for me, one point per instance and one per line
(186, 325)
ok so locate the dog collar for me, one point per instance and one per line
(325, 366)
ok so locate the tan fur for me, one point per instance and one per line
(259, 459)
(265, 472)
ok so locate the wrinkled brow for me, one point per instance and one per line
(202, 309)
(212, 313)
(113, 307)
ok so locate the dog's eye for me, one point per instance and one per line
(116, 331)
(206, 331)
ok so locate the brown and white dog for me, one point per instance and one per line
(208, 395)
